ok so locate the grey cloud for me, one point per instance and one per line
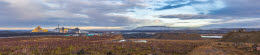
(251, 24)
(98, 14)
(239, 8)
(41, 14)
(236, 23)
(182, 3)
(189, 16)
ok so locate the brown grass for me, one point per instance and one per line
(59, 45)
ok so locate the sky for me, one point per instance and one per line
(128, 14)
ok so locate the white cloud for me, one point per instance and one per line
(151, 14)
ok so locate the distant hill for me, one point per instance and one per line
(189, 29)
(177, 36)
(14, 31)
(164, 28)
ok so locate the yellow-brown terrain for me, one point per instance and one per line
(109, 45)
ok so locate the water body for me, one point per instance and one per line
(140, 41)
(212, 36)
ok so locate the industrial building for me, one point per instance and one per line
(66, 30)
(57, 30)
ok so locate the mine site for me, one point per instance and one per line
(129, 27)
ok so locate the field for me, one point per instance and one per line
(103, 45)
(110, 45)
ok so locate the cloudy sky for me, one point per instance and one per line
(129, 14)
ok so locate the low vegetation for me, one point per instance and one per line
(103, 45)
(113, 45)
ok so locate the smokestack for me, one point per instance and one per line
(58, 25)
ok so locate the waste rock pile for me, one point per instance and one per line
(245, 37)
